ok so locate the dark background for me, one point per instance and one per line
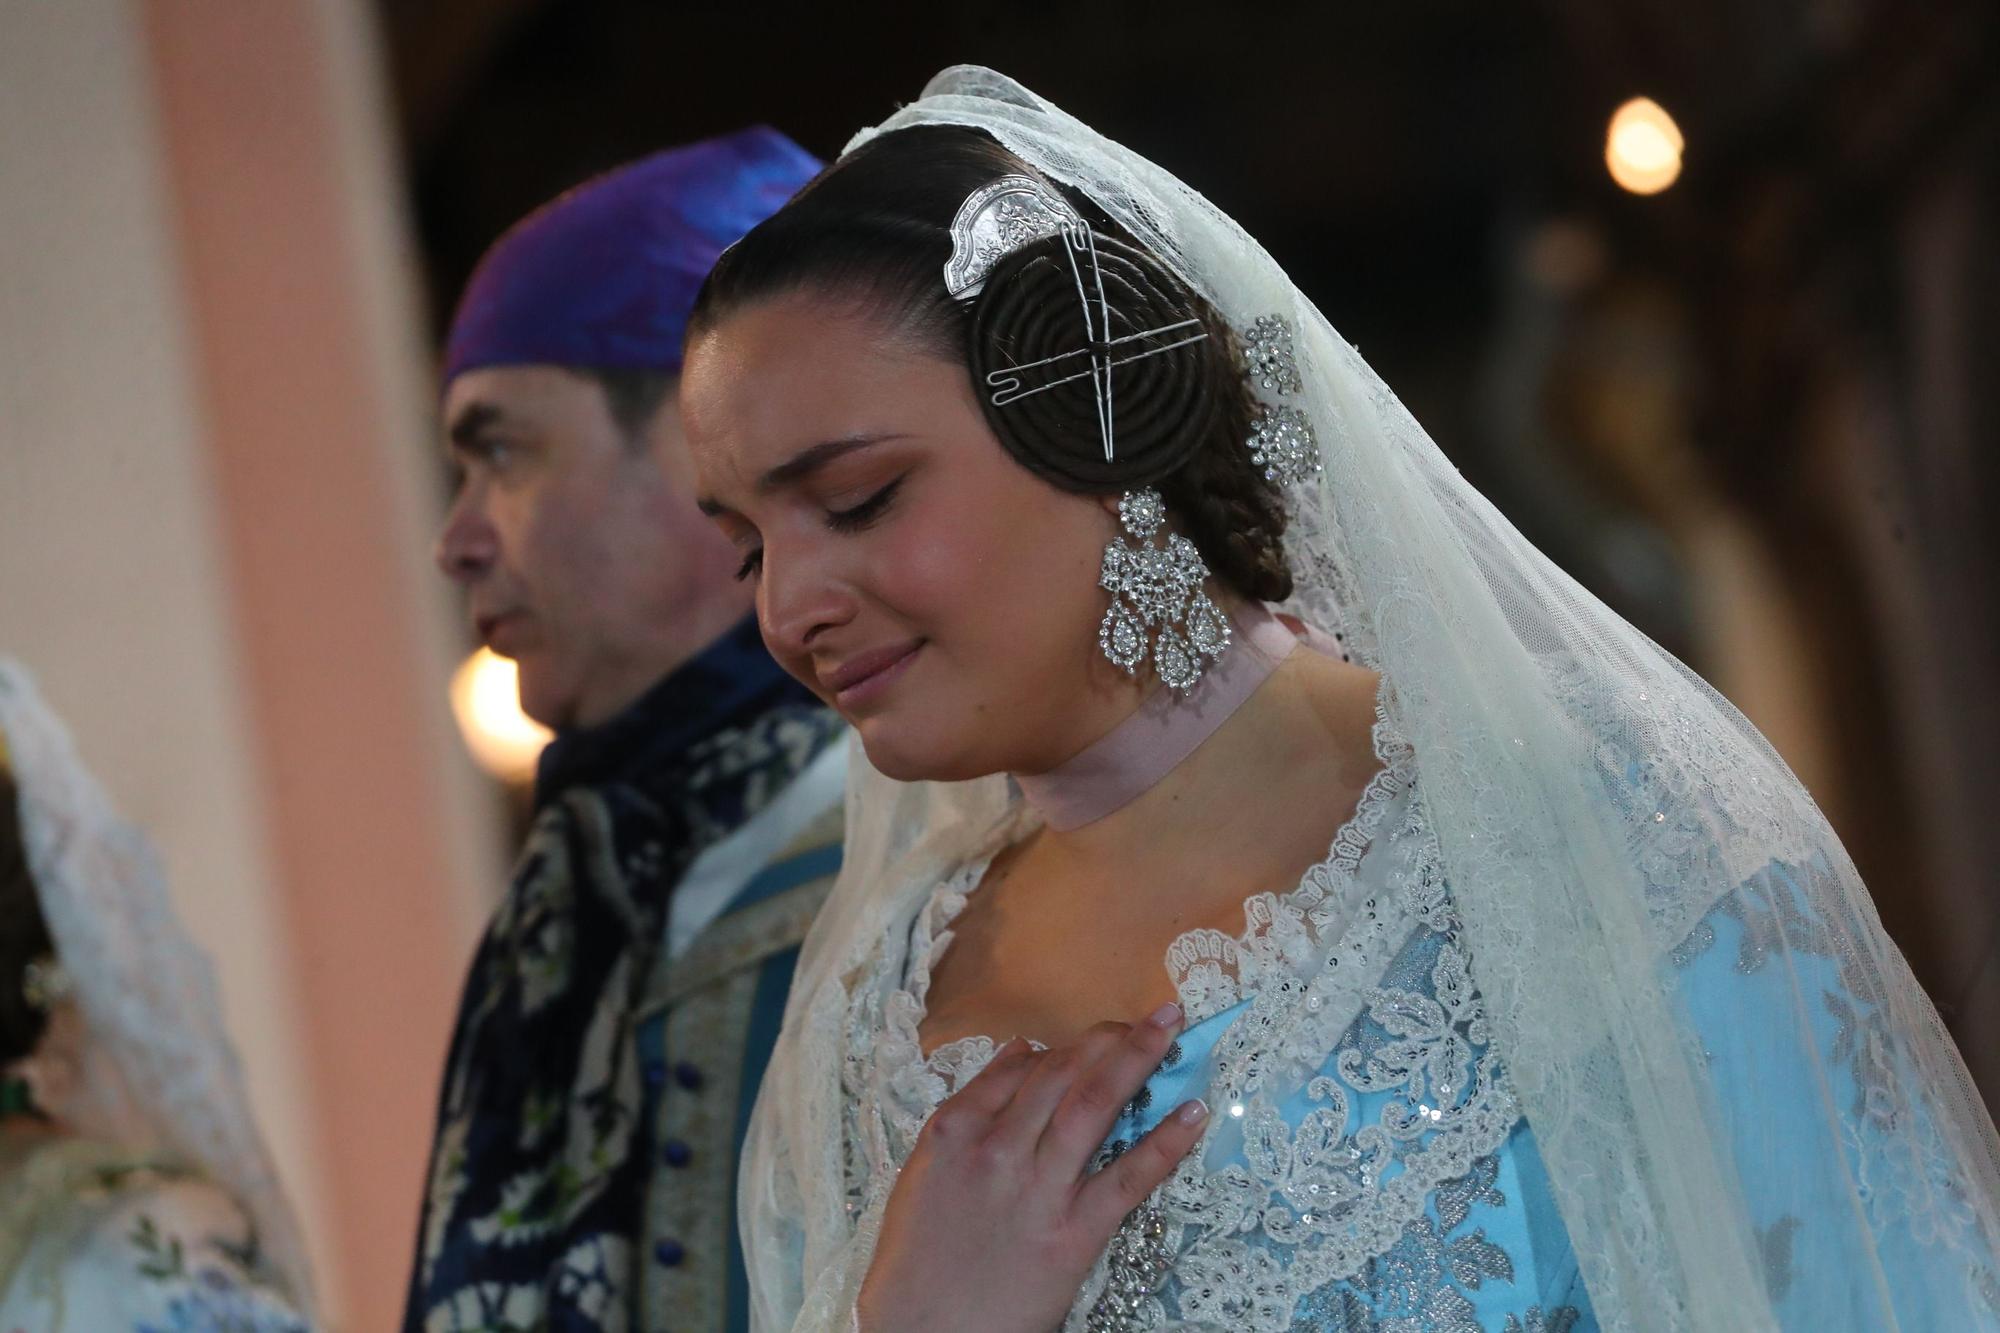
(1756, 413)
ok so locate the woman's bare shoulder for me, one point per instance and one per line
(1342, 698)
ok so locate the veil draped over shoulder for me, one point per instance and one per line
(157, 1072)
(1597, 810)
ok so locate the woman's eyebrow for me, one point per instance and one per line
(803, 464)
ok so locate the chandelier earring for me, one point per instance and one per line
(1158, 605)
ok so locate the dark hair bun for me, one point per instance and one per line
(1165, 406)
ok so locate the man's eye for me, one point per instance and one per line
(751, 564)
(485, 451)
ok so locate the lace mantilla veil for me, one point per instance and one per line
(1592, 802)
(157, 1073)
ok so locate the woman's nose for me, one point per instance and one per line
(799, 598)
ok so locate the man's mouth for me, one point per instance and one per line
(494, 627)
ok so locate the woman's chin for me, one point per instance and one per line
(916, 754)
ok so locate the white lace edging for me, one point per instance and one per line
(1318, 1201)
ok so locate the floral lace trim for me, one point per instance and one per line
(1308, 1205)
(1210, 971)
(1312, 1205)
(918, 1080)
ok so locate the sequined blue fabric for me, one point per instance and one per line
(1489, 1255)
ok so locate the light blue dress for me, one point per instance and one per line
(1491, 1254)
(1402, 1190)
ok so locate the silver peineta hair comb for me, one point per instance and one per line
(1016, 211)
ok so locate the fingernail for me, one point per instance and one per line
(1192, 1112)
(1166, 1015)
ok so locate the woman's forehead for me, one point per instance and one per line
(790, 372)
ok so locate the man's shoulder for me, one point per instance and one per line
(767, 918)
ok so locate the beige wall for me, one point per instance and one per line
(215, 489)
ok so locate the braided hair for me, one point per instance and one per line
(874, 229)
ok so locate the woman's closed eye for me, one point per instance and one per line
(857, 517)
(852, 519)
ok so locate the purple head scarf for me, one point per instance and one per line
(605, 275)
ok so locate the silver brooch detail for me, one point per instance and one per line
(996, 220)
(1137, 1262)
(1158, 607)
(1282, 443)
(1267, 346)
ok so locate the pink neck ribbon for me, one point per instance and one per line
(1123, 765)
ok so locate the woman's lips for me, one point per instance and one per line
(865, 677)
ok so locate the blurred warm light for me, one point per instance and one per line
(485, 694)
(1643, 147)
(1564, 256)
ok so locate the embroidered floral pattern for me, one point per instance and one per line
(214, 1301)
(1420, 1284)
(1913, 1177)
(132, 1245)
(1314, 1195)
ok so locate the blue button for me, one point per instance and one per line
(654, 1074)
(669, 1253)
(676, 1152)
(687, 1076)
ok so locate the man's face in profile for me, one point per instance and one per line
(577, 542)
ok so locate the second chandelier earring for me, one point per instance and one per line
(1158, 606)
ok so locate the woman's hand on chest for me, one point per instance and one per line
(996, 1218)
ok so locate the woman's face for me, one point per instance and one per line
(937, 594)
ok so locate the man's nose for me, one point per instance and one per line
(467, 544)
